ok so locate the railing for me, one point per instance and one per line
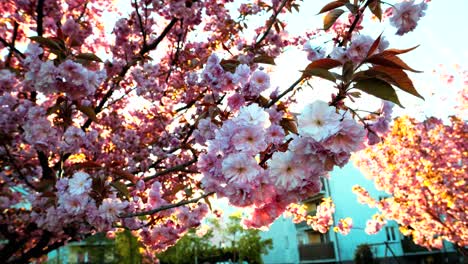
(409, 246)
(317, 251)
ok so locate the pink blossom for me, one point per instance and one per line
(73, 139)
(348, 139)
(111, 208)
(236, 101)
(242, 74)
(74, 204)
(344, 226)
(285, 172)
(253, 115)
(250, 139)
(259, 81)
(318, 120)
(406, 15)
(314, 52)
(374, 225)
(79, 183)
(240, 168)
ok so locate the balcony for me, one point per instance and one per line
(317, 251)
(409, 246)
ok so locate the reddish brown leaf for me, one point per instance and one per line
(326, 64)
(398, 51)
(398, 78)
(125, 175)
(322, 73)
(288, 125)
(389, 60)
(374, 46)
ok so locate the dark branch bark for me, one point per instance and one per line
(40, 16)
(273, 101)
(125, 69)
(13, 40)
(11, 47)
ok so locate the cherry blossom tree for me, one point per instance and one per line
(136, 129)
(422, 165)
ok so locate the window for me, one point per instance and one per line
(323, 181)
(315, 237)
(391, 233)
(301, 239)
(312, 206)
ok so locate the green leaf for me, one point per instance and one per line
(333, 5)
(331, 17)
(378, 88)
(55, 46)
(229, 65)
(264, 59)
(88, 57)
(88, 111)
(322, 73)
(121, 188)
(352, 8)
(348, 71)
(376, 9)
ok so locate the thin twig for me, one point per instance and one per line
(12, 160)
(273, 101)
(6, 44)
(271, 22)
(179, 167)
(166, 207)
(125, 69)
(355, 22)
(143, 31)
(13, 40)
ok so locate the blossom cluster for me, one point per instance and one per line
(234, 164)
(422, 166)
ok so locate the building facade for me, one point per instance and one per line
(299, 243)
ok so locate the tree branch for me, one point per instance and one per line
(11, 47)
(271, 22)
(125, 69)
(355, 22)
(171, 169)
(166, 207)
(273, 101)
(143, 31)
(13, 40)
(40, 16)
